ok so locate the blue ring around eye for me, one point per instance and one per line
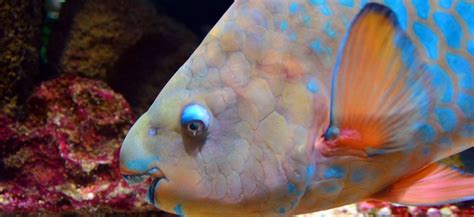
(195, 112)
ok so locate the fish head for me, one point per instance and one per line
(233, 130)
(209, 152)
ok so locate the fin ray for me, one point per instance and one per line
(434, 185)
(379, 90)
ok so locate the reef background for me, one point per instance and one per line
(75, 75)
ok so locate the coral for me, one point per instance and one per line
(125, 43)
(64, 156)
(380, 208)
(20, 23)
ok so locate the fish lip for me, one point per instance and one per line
(157, 175)
(150, 194)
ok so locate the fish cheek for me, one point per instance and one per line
(192, 145)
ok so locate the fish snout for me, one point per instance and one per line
(136, 161)
(136, 165)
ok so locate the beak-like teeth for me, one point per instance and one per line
(135, 179)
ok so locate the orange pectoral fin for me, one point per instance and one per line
(378, 88)
(433, 185)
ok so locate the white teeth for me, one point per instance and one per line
(152, 171)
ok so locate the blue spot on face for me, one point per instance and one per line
(357, 175)
(466, 104)
(328, 30)
(450, 28)
(312, 86)
(152, 132)
(291, 188)
(399, 8)
(141, 164)
(466, 11)
(317, 47)
(334, 172)
(293, 8)
(442, 82)
(322, 5)
(178, 209)
(462, 68)
(426, 133)
(347, 3)
(446, 118)
(283, 26)
(470, 47)
(310, 170)
(445, 3)
(422, 8)
(281, 210)
(428, 39)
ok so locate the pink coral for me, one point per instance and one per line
(64, 156)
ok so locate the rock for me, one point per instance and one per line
(20, 31)
(64, 156)
(125, 43)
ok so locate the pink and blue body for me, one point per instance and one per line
(297, 106)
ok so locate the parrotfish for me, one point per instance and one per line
(295, 106)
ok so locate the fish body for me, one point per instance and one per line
(297, 106)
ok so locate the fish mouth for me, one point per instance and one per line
(135, 179)
(155, 173)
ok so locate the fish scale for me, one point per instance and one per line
(312, 105)
(316, 24)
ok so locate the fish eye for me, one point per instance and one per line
(195, 119)
(195, 127)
